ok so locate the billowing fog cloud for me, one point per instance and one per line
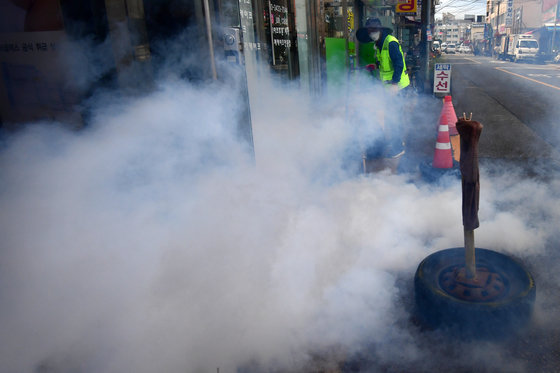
(151, 241)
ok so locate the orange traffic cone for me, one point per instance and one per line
(448, 112)
(449, 117)
(442, 154)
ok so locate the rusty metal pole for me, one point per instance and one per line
(210, 40)
(469, 131)
(470, 260)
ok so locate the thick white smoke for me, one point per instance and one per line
(150, 241)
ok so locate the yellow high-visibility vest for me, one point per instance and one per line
(386, 68)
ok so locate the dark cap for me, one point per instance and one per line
(373, 23)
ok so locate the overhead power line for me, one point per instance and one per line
(460, 4)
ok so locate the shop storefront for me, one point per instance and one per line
(321, 33)
(311, 43)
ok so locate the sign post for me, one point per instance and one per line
(442, 78)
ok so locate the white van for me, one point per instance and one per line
(525, 48)
(519, 47)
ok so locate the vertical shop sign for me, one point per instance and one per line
(250, 47)
(509, 13)
(279, 31)
(407, 6)
(442, 78)
(350, 21)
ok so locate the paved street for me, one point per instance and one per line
(516, 103)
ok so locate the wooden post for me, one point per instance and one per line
(470, 181)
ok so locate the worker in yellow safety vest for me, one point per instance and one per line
(391, 70)
(390, 61)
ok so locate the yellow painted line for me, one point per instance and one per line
(533, 80)
(547, 68)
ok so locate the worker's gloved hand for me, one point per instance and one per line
(371, 67)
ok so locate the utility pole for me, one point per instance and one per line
(426, 25)
(499, 2)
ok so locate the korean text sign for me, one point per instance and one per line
(442, 78)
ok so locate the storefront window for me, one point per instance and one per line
(303, 44)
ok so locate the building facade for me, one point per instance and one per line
(450, 30)
(525, 16)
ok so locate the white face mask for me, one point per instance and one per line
(375, 35)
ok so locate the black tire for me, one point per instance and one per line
(503, 316)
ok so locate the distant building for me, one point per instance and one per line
(477, 31)
(448, 17)
(450, 30)
(507, 17)
(515, 16)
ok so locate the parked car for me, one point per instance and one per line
(450, 49)
(464, 49)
